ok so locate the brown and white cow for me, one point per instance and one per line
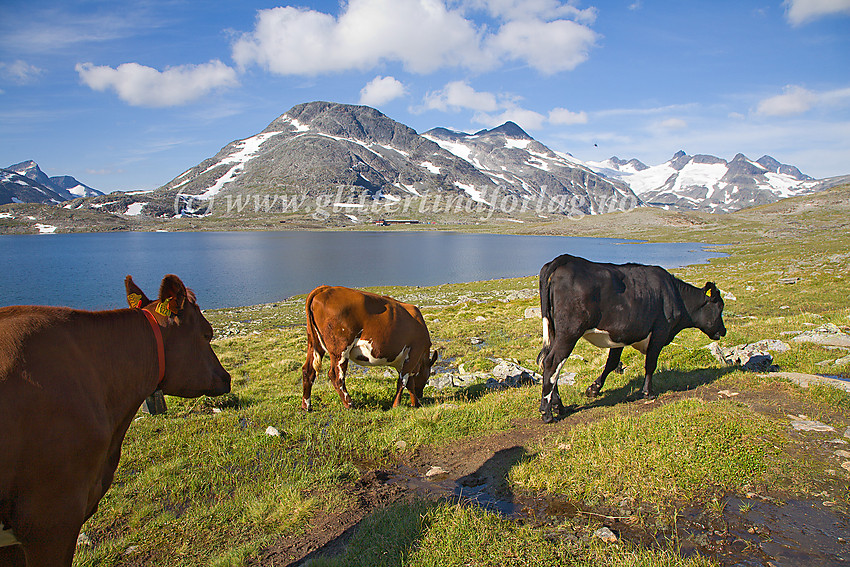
(369, 330)
(71, 383)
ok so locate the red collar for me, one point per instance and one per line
(160, 346)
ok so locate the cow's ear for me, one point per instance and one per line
(136, 298)
(172, 295)
(712, 292)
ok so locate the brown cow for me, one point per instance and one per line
(370, 330)
(71, 383)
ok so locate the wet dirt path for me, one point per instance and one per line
(758, 530)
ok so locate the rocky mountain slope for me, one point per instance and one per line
(518, 163)
(348, 152)
(708, 183)
(25, 183)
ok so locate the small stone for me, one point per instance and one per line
(727, 393)
(842, 453)
(605, 535)
(435, 471)
(846, 465)
(83, 540)
(400, 445)
(273, 431)
(532, 312)
(480, 319)
(810, 425)
(476, 340)
(131, 550)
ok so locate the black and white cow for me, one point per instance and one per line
(613, 306)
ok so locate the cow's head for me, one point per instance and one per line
(709, 317)
(420, 379)
(191, 367)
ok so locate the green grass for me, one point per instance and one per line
(447, 535)
(196, 487)
(667, 456)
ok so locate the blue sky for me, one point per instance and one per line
(127, 95)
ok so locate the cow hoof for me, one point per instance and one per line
(591, 391)
(548, 417)
(647, 397)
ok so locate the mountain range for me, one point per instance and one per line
(708, 183)
(25, 183)
(349, 153)
(354, 151)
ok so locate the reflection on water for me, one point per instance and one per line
(228, 269)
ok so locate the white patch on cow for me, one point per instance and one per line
(307, 404)
(643, 345)
(557, 373)
(317, 361)
(362, 353)
(601, 339)
(7, 537)
(404, 379)
(545, 331)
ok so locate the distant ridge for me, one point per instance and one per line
(25, 183)
(709, 183)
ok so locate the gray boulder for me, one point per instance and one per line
(826, 335)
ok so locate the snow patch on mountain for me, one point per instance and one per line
(245, 151)
(708, 183)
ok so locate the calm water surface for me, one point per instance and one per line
(229, 269)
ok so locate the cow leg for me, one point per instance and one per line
(610, 365)
(552, 364)
(652, 352)
(399, 388)
(339, 366)
(54, 547)
(308, 373)
(649, 369)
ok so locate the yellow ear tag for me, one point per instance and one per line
(135, 300)
(163, 309)
(708, 292)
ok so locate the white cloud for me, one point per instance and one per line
(458, 95)
(493, 109)
(422, 35)
(673, 124)
(19, 72)
(527, 119)
(801, 12)
(549, 47)
(566, 117)
(525, 9)
(798, 100)
(381, 90)
(139, 85)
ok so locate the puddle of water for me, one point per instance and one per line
(749, 533)
(768, 534)
(842, 377)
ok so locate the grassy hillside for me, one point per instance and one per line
(686, 480)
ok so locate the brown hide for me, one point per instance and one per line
(369, 330)
(71, 383)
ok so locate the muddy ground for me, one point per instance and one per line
(766, 527)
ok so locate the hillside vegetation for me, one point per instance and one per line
(691, 479)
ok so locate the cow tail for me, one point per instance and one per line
(546, 312)
(314, 342)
